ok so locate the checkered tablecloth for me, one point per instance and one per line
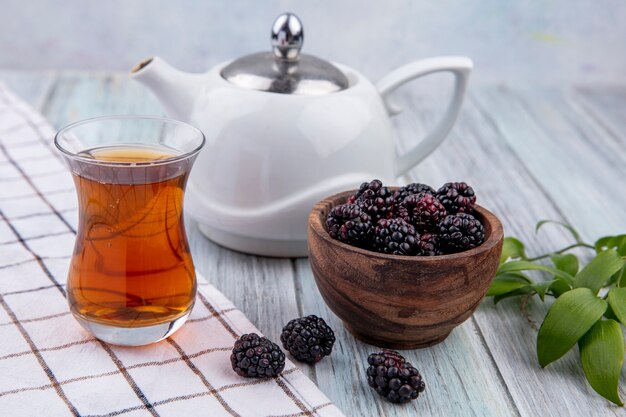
(50, 366)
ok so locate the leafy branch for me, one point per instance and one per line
(580, 314)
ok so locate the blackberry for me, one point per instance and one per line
(428, 244)
(414, 188)
(394, 378)
(424, 211)
(308, 339)
(396, 236)
(372, 187)
(257, 357)
(459, 232)
(374, 199)
(349, 224)
(457, 197)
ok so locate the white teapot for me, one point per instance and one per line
(283, 131)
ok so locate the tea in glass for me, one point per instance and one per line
(131, 279)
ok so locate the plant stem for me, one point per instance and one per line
(575, 245)
(524, 310)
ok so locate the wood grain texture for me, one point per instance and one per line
(487, 366)
(460, 375)
(604, 106)
(34, 89)
(558, 154)
(479, 151)
(400, 302)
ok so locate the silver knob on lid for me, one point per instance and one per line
(287, 37)
(285, 70)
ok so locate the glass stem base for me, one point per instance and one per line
(133, 336)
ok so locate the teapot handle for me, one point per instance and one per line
(461, 68)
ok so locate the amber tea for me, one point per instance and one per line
(132, 265)
(131, 279)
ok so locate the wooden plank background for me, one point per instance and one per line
(544, 41)
(551, 152)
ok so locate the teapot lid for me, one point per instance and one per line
(285, 70)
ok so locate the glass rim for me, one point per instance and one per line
(165, 120)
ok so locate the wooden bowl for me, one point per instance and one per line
(400, 302)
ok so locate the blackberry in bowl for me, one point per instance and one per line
(423, 210)
(412, 297)
(397, 237)
(457, 197)
(350, 224)
(459, 232)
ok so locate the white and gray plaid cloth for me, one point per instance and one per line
(50, 366)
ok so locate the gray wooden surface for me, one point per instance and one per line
(530, 153)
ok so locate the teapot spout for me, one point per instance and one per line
(175, 89)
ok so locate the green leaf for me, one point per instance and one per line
(566, 263)
(505, 283)
(573, 231)
(515, 266)
(559, 287)
(621, 249)
(512, 248)
(520, 291)
(609, 314)
(518, 275)
(568, 319)
(542, 287)
(602, 354)
(599, 270)
(604, 243)
(612, 242)
(620, 277)
(617, 301)
(613, 280)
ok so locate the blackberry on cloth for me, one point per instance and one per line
(254, 356)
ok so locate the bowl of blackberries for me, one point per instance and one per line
(403, 266)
